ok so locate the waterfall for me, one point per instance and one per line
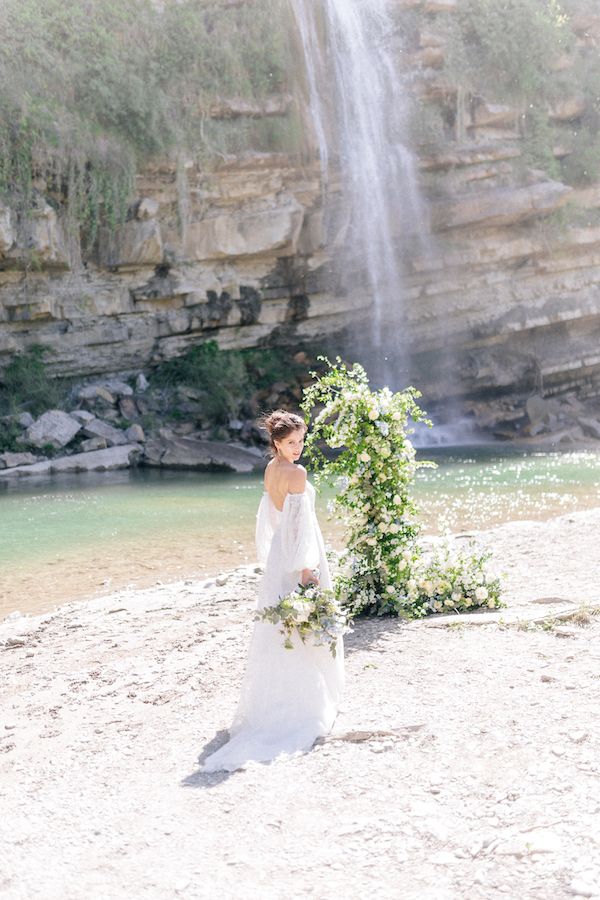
(358, 109)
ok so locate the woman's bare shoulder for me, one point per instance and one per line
(296, 479)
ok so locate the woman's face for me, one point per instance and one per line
(290, 447)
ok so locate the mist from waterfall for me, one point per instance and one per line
(359, 114)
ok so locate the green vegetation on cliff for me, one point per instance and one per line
(90, 88)
(535, 56)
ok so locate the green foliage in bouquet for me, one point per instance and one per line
(308, 611)
(385, 569)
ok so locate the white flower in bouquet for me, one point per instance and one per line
(303, 609)
(364, 457)
(481, 593)
(373, 414)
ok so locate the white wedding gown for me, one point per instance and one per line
(288, 697)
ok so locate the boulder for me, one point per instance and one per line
(187, 453)
(117, 387)
(8, 460)
(25, 420)
(91, 444)
(99, 461)
(135, 433)
(96, 392)
(53, 427)
(83, 415)
(97, 428)
(128, 408)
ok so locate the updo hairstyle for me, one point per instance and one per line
(279, 424)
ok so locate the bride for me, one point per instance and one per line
(288, 697)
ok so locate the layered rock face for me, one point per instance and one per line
(505, 303)
(202, 255)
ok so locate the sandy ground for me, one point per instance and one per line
(464, 764)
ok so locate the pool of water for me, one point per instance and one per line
(73, 536)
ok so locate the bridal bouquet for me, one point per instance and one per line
(309, 610)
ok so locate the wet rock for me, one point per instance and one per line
(53, 427)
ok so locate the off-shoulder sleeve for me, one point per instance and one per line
(264, 531)
(299, 542)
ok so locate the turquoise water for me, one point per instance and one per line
(67, 537)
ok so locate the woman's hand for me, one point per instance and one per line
(310, 576)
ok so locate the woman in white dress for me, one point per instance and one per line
(288, 697)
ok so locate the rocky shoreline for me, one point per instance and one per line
(105, 431)
(463, 762)
(113, 424)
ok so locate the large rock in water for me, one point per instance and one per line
(188, 453)
(9, 460)
(97, 461)
(53, 427)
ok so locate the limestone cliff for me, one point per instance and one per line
(507, 301)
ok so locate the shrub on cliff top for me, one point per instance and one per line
(91, 87)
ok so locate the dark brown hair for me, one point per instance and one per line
(278, 424)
